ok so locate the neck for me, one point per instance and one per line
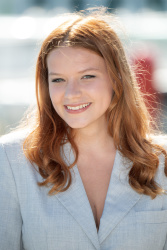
(97, 139)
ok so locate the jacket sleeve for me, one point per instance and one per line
(10, 216)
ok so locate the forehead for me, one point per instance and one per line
(74, 56)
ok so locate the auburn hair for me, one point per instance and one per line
(128, 119)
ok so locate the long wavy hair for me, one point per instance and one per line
(128, 119)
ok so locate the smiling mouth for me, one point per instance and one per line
(79, 107)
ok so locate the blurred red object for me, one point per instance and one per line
(144, 63)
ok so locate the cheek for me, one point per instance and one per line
(109, 90)
(108, 93)
(55, 94)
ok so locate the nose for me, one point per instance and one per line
(73, 89)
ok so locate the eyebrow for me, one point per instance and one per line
(82, 71)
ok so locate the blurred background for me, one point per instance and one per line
(25, 23)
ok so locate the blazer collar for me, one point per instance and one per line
(120, 197)
(119, 200)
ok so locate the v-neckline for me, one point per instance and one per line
(76, 170)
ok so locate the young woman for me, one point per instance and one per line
(87, 174)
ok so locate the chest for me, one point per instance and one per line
(96, 179)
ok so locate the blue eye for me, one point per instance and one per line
(88, 76)
(58, 80)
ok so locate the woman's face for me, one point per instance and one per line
(79, 86)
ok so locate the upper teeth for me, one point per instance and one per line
(78, 107)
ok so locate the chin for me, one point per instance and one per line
(77, 125)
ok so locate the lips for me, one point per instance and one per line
(77, 108)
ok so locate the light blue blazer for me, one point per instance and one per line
(31, 219)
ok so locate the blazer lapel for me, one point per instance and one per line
(119, 200)
(76, 202)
